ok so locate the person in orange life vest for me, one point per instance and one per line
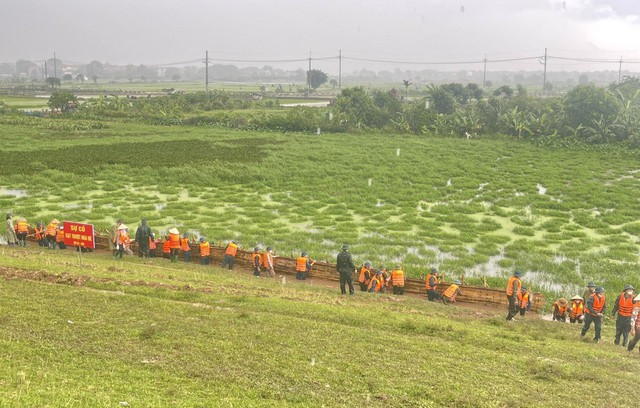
(114, 237)
(594, 312)
(60, 238)
(39, 234)
(449, 295)
(576, 310)
(376, 283)
(185, 246)
(166, 247)
(514, 292)
(123, 241)
(524, 304)
(51, 232)
(153, 245)
(624, 307)
(431, 283)
(591, 289)
(267, 262)
(397, 280)
(635, 323)
(386, 279)
(230, 255)
(205, 251)
(256, 260)
(560, 309)
(365, 276)
(174, 243)
(22, 230)
(303, 264)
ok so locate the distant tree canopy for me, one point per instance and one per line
(586, 104)
(316, 78)
(60, 98)
(53, 82)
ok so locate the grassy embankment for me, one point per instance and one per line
(479, 207)
(156, 334)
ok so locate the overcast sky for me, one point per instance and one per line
(165, 31)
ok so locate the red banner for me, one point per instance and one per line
(78, 235)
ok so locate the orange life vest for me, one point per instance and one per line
(435, 280)
(52, 230)
(185, 245)
(577, 309)
(598, 303)
(301, 264)
(124, 238)
(561, 310)
(232, 249)
(60, 235)
(397, 277)
(39, 233)
(451, 292)
(166, 246)
(174, 241)
(376, 282)
(152, 243)
(510, 286)
(625, 306)
(256, 259)
(524, 300)
(267, 260)
(22, 227)
(205, 249)
(365, 275)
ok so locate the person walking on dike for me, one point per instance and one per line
(230, 255)
(624, 307)
(376, 284)
(256, 261)
(51, 232)
(39, 234)
(514, 292)
(576, 310)
(635, 323)
(22, 230)
(143, 238)
(346, 268)
(431, 283)
(591, 289)
(449, 295)
(397, 280)
(123, 241)
(174, 244)
(303, 265)
(185, 246)
(205, 251)
(267, 262)
(364, 279)
(560, 310)
(10, 230)
(594, 312)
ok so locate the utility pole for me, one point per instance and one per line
(206, 71)
(46, 73)
(55, 66)
(340, 71)
(484, 73)
(309, 73)
(544, 76)
(620, 71)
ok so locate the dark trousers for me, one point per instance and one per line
(301, 275)
(623, 326)
(143, 249)
(119, 251)
(597, 323)
(523, 310)
(576, 320)
(560, 318)
(346, 278)
(204, 260)
(229, 261)
(43, 242)
(52, 241)
(61, 245)
(433, 295)
(174, 254)
(635, 339)
(364, 287)
(398, 290)
(186, 255)
(256, 271)
(22, 238)
(513, 306)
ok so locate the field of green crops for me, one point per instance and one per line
(478, 207)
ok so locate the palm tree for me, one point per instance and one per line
(406, 84)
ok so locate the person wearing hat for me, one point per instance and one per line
(365, 276)
(560, 309)
(595, 310)
(123, 241)
(205, 251)
(524, 302)
(113, 234)
(591, 289)
(22, 230)
(346, 268)
(624, 307)
(431, 282)
(51, 232)
(634, 325)
(143, 238)
(267, 262)
(60, 237)
(449, 295)
(185, 247)
(174, 244)
(376, 283)
(576, 310)
(39, 235)
(514, 292)
(303, 265)
(230, 252)
(12, 239)
(397, 280)
(256, 260)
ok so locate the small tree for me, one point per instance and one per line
(67, 77)
(333, 83)
(59, 99)
(406, 84)
(315, 78)
(53, 82)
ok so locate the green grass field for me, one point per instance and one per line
(134, 333)
(478, 207)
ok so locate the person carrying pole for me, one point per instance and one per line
(595, 311)
(345, 267)
(624, 307)
(514, 292)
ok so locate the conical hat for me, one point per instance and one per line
(55, 221)
(174, 231)
(563, 301)
(21, 219)
(636, 299)
(576, 297)
(122, 227)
